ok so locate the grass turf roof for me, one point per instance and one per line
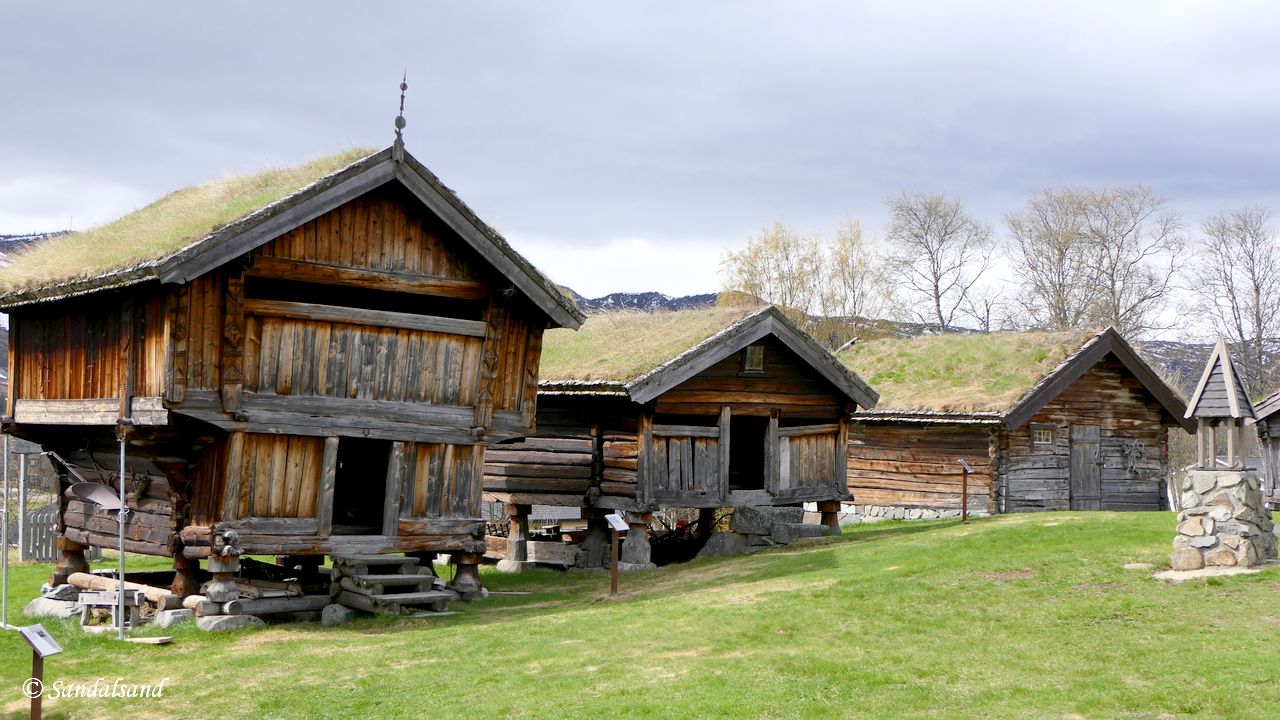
(957, 372)
(165, 226)
(617, 347)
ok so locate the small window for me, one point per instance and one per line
(753, 359)
(1042, 435)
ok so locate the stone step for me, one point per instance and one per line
(793, 532)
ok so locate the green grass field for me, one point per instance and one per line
(1027, 616)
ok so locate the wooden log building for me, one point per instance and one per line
(1047, 422)
(637, 412)
(299, 363)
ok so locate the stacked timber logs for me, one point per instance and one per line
(620, 458)
(902, 467)
(388, 585)
(540, 464)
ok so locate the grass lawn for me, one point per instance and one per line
(1027, 616)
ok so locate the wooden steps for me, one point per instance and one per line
(389, 585)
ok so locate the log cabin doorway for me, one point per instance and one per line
(1085, 477)
(360, 486)
(747, 437)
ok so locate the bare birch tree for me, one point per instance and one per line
(1049, 252)
(937, 251)
(1134, 255)
(1238, 277)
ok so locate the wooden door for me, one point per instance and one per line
(1086, 481)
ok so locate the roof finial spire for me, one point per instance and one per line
(397, 150)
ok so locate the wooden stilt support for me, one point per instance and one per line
(72, 560)
(636, 552)
(186, 575)
(466, 580)
(517, 555)
(830, 510)
(706, 522)
(222, 589)
(595, 547)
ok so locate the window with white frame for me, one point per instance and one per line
(1041, 435)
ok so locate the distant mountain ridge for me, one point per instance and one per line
(649, 301)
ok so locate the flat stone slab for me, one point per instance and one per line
(217, 623)
(1139, 566)
(515, 566)
(1177, 576)
(169, 618)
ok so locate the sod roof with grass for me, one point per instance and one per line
(153, 233)
(994, 377)
(959, 372)
(189, 232)
(642, 354)
(614, 348)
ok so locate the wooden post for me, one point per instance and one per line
(613, 565)
(22, 507)
(517, 537)
(964, 490)
(71, 560)
(1213, 446)
(723, 446)
(186, 575)
(37, 672)
(636, 549)
(466, 579)
(706, 522)
(1201, 431)
(1231, 443)
(830, 510)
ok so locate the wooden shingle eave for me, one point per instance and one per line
(1107, 342)
(1239, 404)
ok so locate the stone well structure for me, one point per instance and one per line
(1223, 522)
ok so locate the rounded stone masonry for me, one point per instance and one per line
(1223, 523)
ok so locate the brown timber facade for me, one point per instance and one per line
(320, 377)
(1091, 435)
(754, 415)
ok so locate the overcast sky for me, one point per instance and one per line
(623, 146)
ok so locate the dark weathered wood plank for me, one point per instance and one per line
(362, 316)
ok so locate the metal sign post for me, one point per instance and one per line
(964, 491)
(42, 645)
(4, 519)
(120, 518)
(616, 526)
(22, 507)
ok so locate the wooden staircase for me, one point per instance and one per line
(389, 585)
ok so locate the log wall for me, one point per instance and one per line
(1133, 446)
(915, 465)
